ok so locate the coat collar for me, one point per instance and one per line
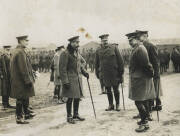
(20, 46)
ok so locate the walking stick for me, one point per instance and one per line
(91, 99)
(157, 98)
(123, 96)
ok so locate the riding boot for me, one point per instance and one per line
(116, 96)
(69, 109)
(110, 99)
(76, 111)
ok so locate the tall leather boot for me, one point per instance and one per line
(27, 114)
(69, 110)
(147, 108)
(19, 116)
(116, 96)
(110, 99)
(76, 109)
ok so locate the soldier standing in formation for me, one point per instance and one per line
(22, 80)
(109, 63)
(175, 57)
(5, 84)
(141, 87)
(70, 74)
(154, 60)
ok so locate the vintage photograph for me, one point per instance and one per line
(89, 68)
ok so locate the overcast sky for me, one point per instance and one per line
(54, 21)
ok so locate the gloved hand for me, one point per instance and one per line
(66, 86)
(86, 75)
(29, 85)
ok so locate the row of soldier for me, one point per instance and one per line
(164, 55)
(41, 61)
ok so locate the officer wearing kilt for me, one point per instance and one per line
(141, 87)
(22, 80)
(109, 67)
(71, 69)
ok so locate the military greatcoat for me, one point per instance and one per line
(141, 85)
(109, 65)
(21, 74)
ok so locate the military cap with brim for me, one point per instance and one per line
(24, 37)
(115, 44)
(60, 47)
(73, 38)
(7, 46)
(103, 36)
(131, 35)
(141, 32)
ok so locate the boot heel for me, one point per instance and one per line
(70, 120)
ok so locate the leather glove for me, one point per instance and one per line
(66, 86)
(87, 75)
(29, 85)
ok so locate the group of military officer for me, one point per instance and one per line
(69, 66)
(17, 80)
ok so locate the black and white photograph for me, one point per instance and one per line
(89, 68)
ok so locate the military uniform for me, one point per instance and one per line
(110, 64)
(175, 57)
(154, 60)
(5, 84)
(70, 74)
(22, 81)
(57, 80)
(141, 87)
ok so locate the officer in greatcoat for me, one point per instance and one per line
(141, 87)
(110, 66)
(5, 84)
(57, 80)
(153, 58)
(22, 80)
(71, 70)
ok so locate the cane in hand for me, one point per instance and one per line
(91, 98)
(158, 81)
(123, 96)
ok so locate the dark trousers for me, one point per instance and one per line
(5, 100)
(143, 108)
(110, 95)
(57, 90)
(75, 102)
(22, 107)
